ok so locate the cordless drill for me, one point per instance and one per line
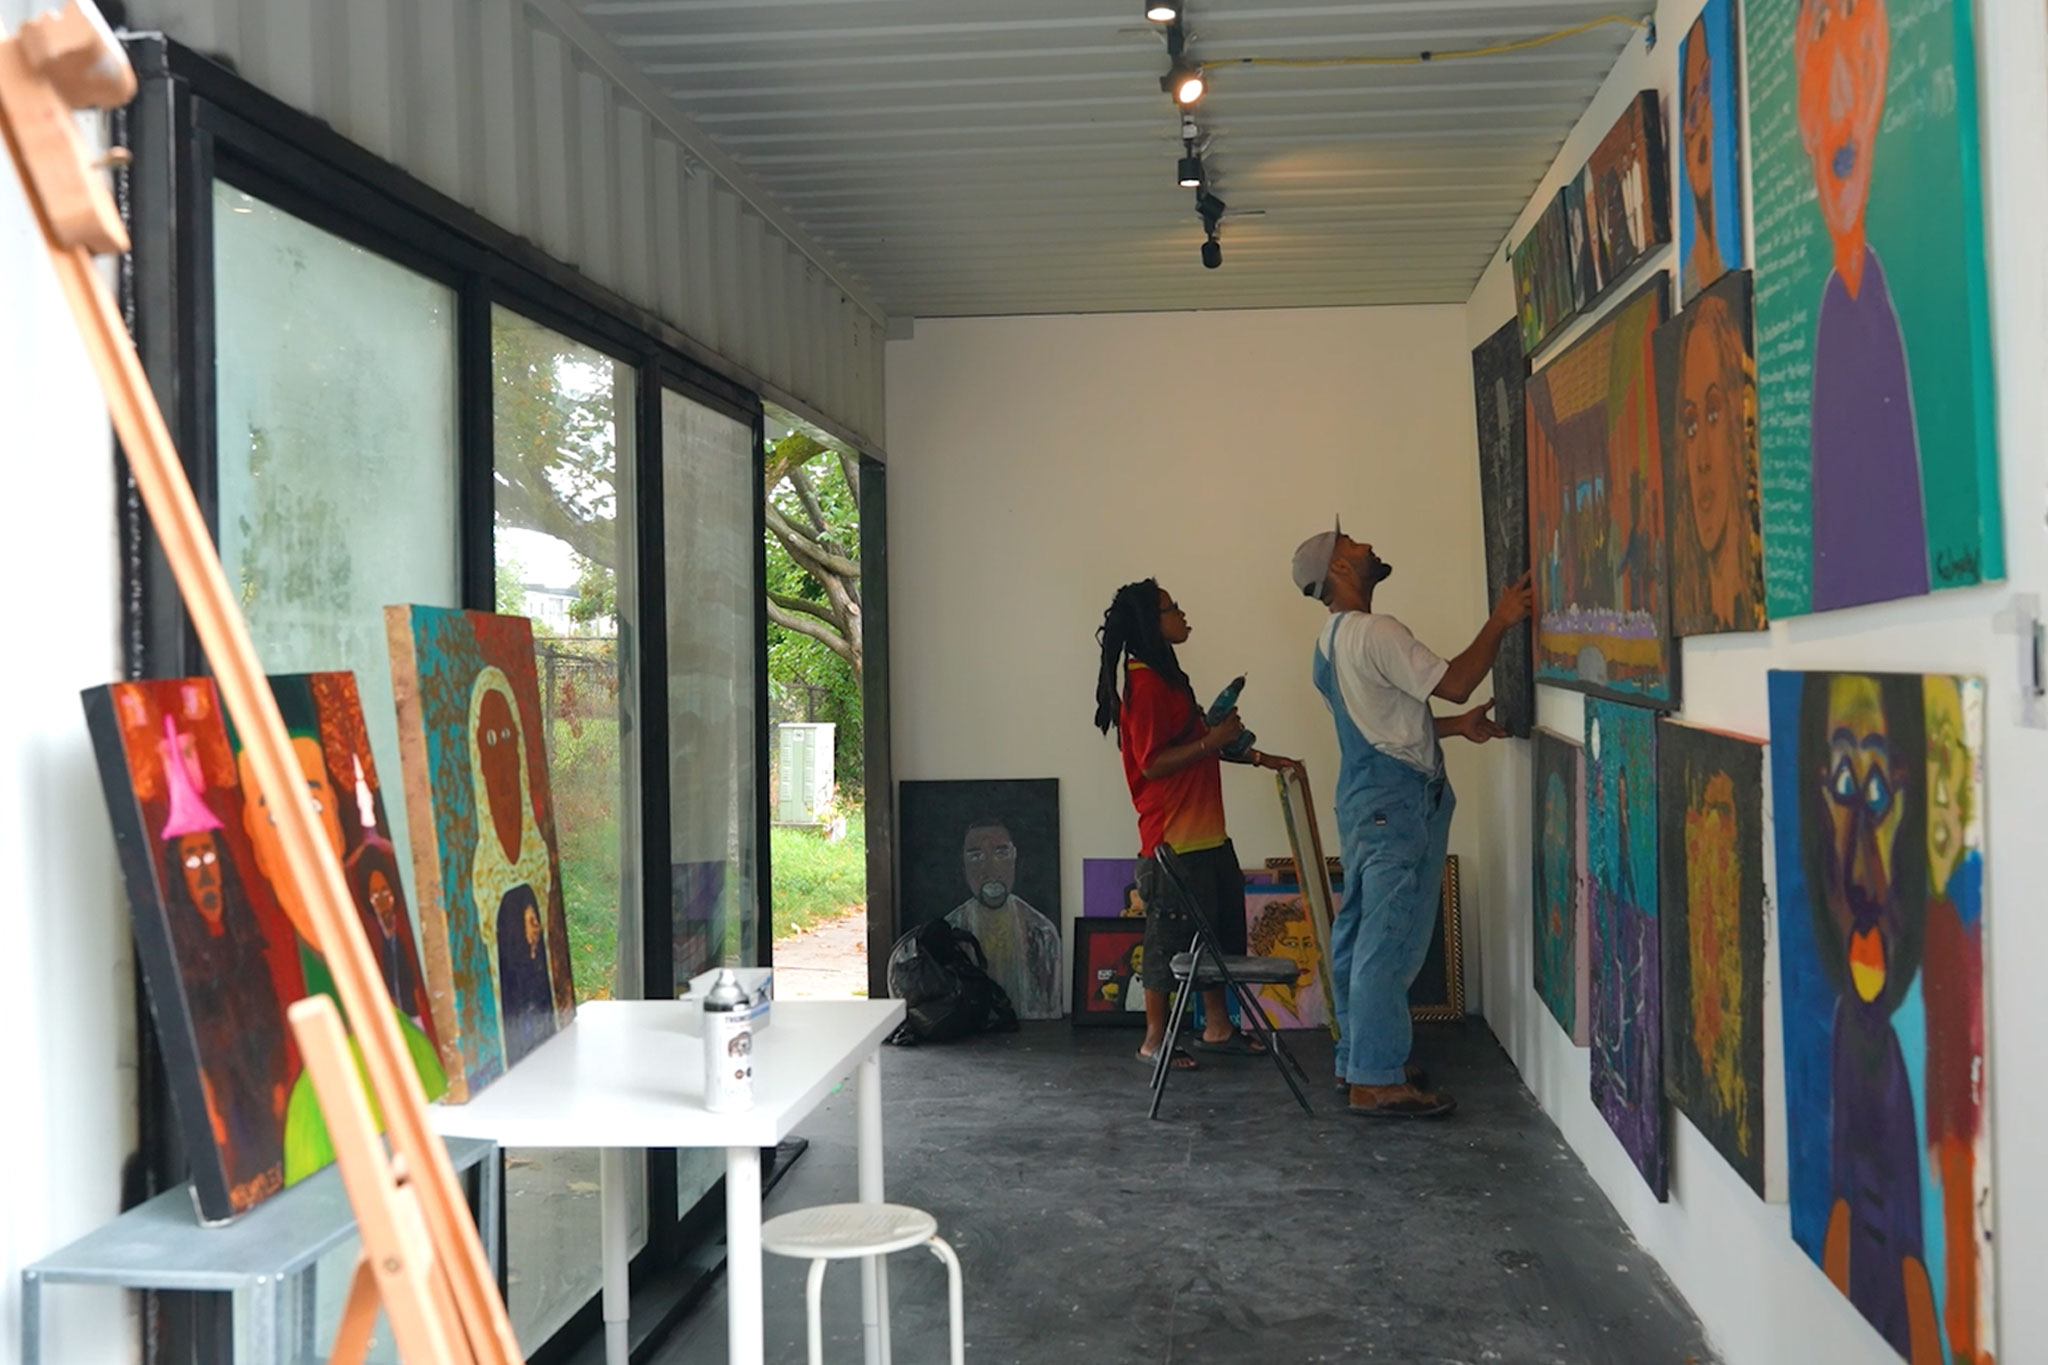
(1226, 699)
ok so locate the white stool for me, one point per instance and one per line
(842, 1232)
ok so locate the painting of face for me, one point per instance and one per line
(493, 926)
(1711, 912)
(199, 856)
(1880, 856)
(1842, 49)
(1697, 115)
(1276, 925)
(1561, 933)
(262, 826)
(1706, 379)
(1879, 462)
(383, 901)
(990, 859)
(1109, 958)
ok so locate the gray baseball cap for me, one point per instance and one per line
(1312, 560)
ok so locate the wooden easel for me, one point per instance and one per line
(1298, 810)
(421, 1257)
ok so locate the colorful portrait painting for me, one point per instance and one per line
(1879, 450)
(1109, 955)
(1706, 398)
(1499, 374)
(223, 932)
(1542, 263)
(1626, 998)
(1109, 889)
(984, 855)
(480, 805)
(1878, 782)
(1562, 940)
(1709, 150)
(1276, 925)
(1626, 190)
(1596, 512)
(1710, 842)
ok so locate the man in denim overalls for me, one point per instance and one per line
(1394, 808)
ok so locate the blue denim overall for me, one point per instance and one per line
(1395, 827)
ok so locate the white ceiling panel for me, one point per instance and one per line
(968, 157)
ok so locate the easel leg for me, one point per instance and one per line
(358, 1318)
(745, 1343)
(611, 1166)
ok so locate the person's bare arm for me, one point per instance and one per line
(1469, 667)
(1167, 762)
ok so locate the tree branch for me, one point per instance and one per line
(804, 605)
(816, 630)
(803, 548)
(809, 497)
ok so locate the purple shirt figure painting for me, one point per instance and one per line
(1869, 536)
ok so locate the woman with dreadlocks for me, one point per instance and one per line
(1171, 761)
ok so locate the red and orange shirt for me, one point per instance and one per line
(1185, 810)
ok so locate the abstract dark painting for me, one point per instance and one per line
(1877, 782)
(1621, 858)
(1562, 940)
(1710, 841)
(1626, 189)
(1544, 293)
(1706, 398)
(481, 811)
(1499, 373)
(1596, 512)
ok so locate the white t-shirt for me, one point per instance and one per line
(1385, 676)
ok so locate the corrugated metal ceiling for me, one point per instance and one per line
(970, 157)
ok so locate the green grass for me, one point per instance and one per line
(816, 880)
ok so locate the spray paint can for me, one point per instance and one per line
(728, 1046)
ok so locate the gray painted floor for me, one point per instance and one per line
(1235, 1228)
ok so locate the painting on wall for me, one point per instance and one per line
(1625, 995)
(1109, 889)
(1499, 373)
(984, 855)
(1544, 297)
(1109, 954)
(1596, 512)
(1578, 233)
(1880, 452)
(1710, 907)
(1276, 925)
(1710, 150)
(1706, 397)
(1626, 188)
(225, 940)
(486, 863)
(1562, 940)
(1437, 995)
(1878, 787)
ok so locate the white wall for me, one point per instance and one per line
(66, 977)
(1732, 1256)
(1036, 464)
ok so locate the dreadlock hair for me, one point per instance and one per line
(1130, 628)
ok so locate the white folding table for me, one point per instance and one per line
(629, 1074)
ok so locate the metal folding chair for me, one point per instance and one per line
(1204, 965)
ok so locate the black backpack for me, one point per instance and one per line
(941, 975)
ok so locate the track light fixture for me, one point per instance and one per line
(1183, 79)
(1212, 253)
(1162, 11)
(1190, 172)
(1210, 209)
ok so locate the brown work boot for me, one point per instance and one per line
(1402, 1101)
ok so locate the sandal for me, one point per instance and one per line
(1236, 1045)
(1181, 1060)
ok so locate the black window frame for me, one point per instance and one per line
(195, 121)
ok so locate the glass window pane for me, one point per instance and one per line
(708, 498)
(336, 398)
(562, 418)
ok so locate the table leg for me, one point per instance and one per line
(611, 1167)
(266, 1322)
(874, 1270)
(31, 1318)
(745, 1334)
(490, 1201)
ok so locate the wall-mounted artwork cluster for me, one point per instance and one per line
(1600, 224)
(1813, 429)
